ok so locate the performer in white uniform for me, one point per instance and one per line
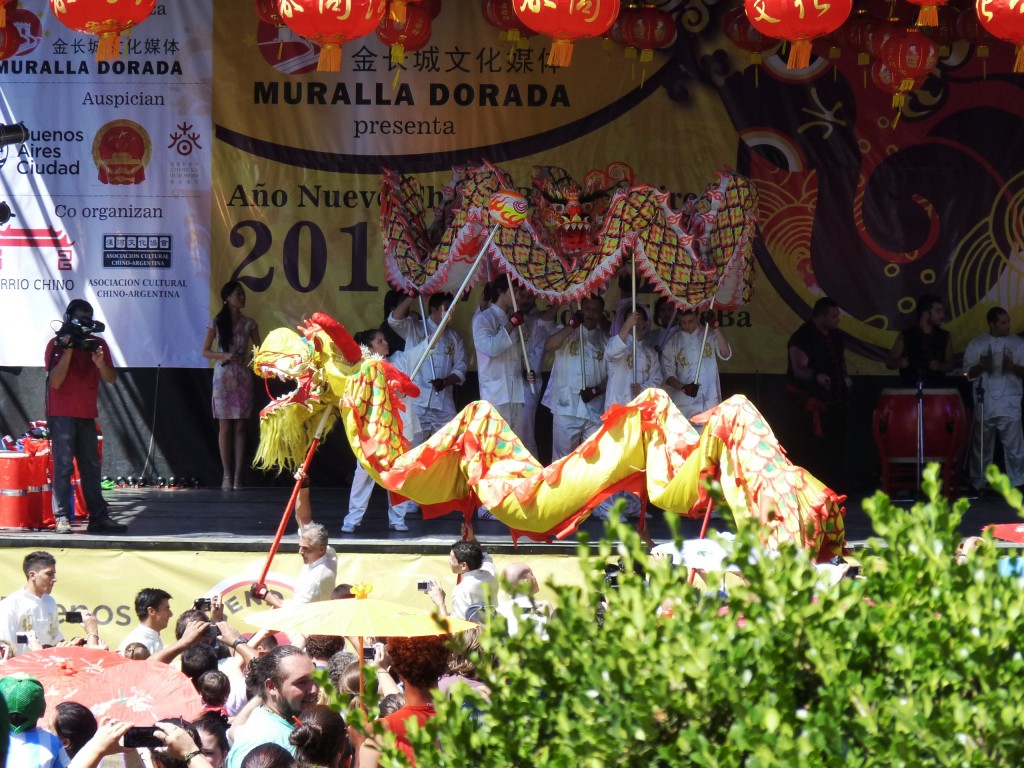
(994, 361)
(441, 372)
(679, 359)
(499, 357)
(577, 402)
(538, 326)
(627, 378)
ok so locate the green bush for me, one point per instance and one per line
(917, 664)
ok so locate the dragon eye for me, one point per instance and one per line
(559, 207)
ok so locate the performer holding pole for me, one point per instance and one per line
(575, 392)
(681, 363)
(506, 209)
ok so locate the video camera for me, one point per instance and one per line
(77, 331)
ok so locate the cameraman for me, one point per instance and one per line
(76, 360)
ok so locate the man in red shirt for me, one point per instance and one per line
(76, 361)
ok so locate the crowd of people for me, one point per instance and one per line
(260, 701)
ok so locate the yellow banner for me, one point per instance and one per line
(105, 582)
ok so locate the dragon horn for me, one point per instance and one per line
(349, 349)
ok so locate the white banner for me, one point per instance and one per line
(111, 193)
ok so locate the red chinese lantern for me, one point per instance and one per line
(857, 34)
(268, 12)
(798, 22)
(409, 36)
(646, 29)
(911, 55)
(928, 16)
(499, 14)
(740, 31)
(968, 27)
(331, 24)
(944, 33)
(565, 21)
(397, 9)
(10, 40)
(3, 10)
(878, 35)
(106, 18)
(1004, 19)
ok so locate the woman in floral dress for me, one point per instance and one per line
(230, 338)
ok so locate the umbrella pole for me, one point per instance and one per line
(259, 587)
(703, 531)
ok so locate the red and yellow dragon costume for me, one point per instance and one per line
(646, 447)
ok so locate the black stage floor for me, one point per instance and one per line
(246, 520)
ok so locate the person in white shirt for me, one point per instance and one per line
(994, 361)
(500, 366)
(30, 613)
(538, 326)
(666, 323)
(520, 606)
(319, 569)
(473, 596)
(153, 607)
(679, 358)
(441, 372)
(628, 376)
(374, 343)
(575, 391)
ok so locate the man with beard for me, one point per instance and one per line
(284, 678)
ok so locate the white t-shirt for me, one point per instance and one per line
(1002, 390)
(21, 612)
(567, 374)
(679, 358)
(143, 634)
(619, 357)
(471, 595)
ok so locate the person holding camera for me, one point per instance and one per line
(76, 361)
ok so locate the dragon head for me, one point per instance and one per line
(318, 360)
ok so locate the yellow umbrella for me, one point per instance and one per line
(363, 616)
(360, 617)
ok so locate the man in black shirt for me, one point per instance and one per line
(923, 353)
(818, 388)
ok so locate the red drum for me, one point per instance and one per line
(15, 470)
(896, 434)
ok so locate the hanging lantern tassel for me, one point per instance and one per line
(928, 16)
(756, 59)
(3, 14)
(560, 54)
(398, 11)
(983, 55)
(397, 60)
(1018, 64)
(109, 48)
(330, 58)
(799, 54)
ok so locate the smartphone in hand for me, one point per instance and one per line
(73, 617)
(141, 736)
